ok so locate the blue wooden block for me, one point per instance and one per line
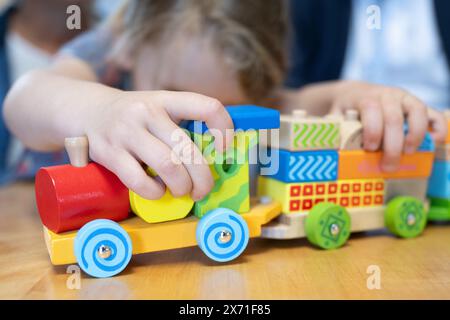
(305, 166)
(427, 143)
(439, 183)
(245, 117)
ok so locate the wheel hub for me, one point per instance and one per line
(225, 236)
(334, 229)
(411, 219)
(104, 252)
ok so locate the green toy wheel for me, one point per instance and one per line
(328, 225)
(405, 217)
(439, 210)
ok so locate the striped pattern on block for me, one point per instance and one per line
(305, 166)
(231, 188)
(300, 197)
(315, 135)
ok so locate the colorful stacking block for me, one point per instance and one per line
(245, 117)
(299, 197)
(427, 144)
(230, 171)
(439, 183)
(68, 197)
(367, 165)
(299, 132)
(167, 208)
(305, 166)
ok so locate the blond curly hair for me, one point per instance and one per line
(249, 33)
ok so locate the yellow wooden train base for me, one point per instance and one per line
(157, 237)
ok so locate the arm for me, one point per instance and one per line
(123, 128)
(38, 107)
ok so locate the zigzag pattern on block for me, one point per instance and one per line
(316, 135)
(313, 167)
(305, 166)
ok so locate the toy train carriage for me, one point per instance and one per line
(329, 187)
(88, 196)
(439, 187)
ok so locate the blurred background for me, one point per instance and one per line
(400, 43)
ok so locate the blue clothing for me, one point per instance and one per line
(4, 87)
(29, 161)
(397, 50)
(320, 37)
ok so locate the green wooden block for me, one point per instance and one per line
(230, 171)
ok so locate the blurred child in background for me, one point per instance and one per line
(31, 32)
(206, 53)
(230, 50)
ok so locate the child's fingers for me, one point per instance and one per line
(158, 156)
(393, 132)
(189, 154)
(372, 121)
(131, 173)
(192, 106)
(439, 125)
(417, 117)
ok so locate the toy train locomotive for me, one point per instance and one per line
(88, 197)
(326, 187)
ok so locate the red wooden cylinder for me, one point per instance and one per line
(68, 197)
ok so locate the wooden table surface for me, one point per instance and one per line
(417, 268)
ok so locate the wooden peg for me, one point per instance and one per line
(78, 150)
(351, 115)
(299, 113)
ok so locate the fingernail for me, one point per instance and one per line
(371, 146)
(196, 198)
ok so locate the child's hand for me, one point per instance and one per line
(138, 127)
(383, 111)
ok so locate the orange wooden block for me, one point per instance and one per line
(367, 165)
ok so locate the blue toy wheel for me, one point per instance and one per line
(102, 248)
(222, 234)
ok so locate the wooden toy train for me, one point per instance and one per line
(325, 187)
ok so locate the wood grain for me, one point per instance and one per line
(269, 269)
